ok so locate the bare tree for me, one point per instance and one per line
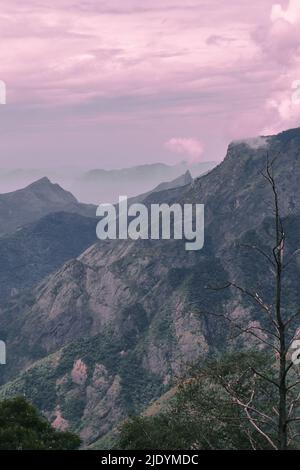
(274, 333)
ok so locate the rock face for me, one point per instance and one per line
(40, 248)
(106, 334)
(35, 201)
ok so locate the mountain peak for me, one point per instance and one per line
(44, 181)
(187, 177)
(264, 141)
(252, 142)
(46, 187)
(288, 135)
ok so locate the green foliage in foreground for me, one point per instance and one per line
(23, 428)
(203, 415)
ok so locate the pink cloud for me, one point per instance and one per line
(189, 147)
(278, 40)
(103, 76)
(149, 48)
(290, 14)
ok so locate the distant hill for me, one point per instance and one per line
(40, 198)
(100, 186)
(35, 250)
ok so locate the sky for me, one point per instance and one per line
(115, 83)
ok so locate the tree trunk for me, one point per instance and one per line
(282, 405)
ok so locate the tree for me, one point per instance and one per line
(202, 414)
(23, 428)
(273, 333)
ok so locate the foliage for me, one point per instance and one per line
(23, 428)
(203, 415)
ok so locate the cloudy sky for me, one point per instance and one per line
(114, 83)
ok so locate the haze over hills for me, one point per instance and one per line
(107, 332)
(98, 185)
(12, 179)
(177, 183)
(42, 197)
(107, 185)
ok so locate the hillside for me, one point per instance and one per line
(40, 248)
(106, 334)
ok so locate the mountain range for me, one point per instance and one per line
(35, 249)
(106, 185)
(110, 330)
(98, 185)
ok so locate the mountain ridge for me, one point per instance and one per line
(113, 327)
(36, 200)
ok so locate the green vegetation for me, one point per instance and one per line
(139, 385)
(202, 414)
(49, 384)
(23, 428)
